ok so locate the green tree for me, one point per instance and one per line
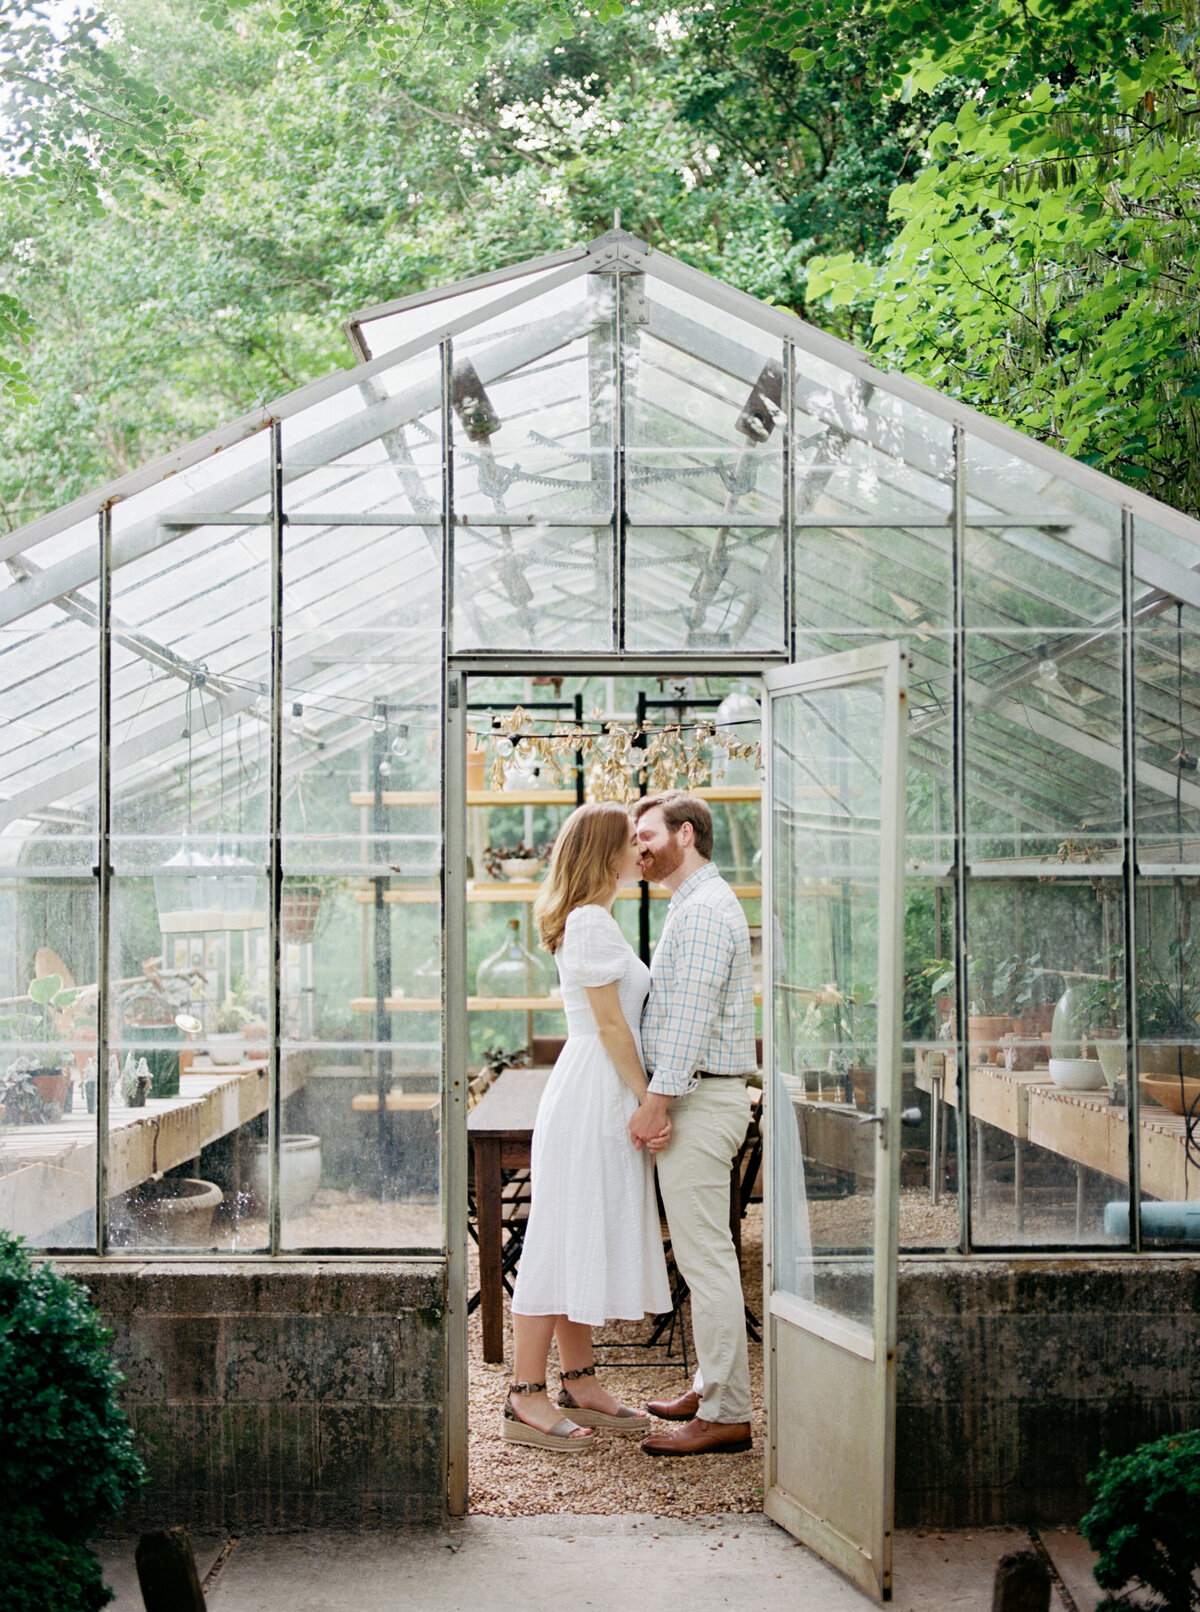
(1047, 263)
(343, 166)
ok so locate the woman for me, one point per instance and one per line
(593, 1248)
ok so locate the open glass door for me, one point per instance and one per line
(833, 837)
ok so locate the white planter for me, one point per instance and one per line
(226, 1048)
(1077, 1074)
(299, 1172)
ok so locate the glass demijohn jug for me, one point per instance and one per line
(512, 971)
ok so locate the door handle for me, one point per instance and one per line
(879, 1119)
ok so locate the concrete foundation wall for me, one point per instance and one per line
(1014, 1376)
(293, 1395)
(313, 1393)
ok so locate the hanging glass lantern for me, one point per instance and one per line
(198, 894)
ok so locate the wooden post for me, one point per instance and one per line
(1022, 1583)
(166, 1571)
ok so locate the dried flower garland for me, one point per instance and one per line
(616, 756)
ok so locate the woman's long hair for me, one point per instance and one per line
(583, 866)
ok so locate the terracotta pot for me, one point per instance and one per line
(1041, 1018)
(984, 1033)
(862, 1082)
(52, 1085)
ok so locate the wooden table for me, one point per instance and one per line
(48, 1172)
(1081, 1126)
(500, 1130)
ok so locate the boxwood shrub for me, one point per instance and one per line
(67, 1459)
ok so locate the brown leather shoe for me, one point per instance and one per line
(675, 1410)
(699, 1437)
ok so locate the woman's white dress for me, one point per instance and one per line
(593, 1247)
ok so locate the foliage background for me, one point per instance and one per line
(1001, 199)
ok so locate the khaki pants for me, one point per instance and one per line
(708, 1127)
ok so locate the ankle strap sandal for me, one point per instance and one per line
(526, 1388)
(622, 1420)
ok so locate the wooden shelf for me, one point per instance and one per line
(531, 797)
(501, 890)
(475, 1004)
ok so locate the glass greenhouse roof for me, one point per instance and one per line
(606, 452)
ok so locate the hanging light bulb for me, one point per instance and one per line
(400, 742)
(1047, 666)
(504, 747)
(379, 723)
(262, 707)
(385, 769)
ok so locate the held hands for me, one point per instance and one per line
(649, 1125)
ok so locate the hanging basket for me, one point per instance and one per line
(299, 910)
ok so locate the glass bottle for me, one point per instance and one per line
(427, 978)
(512, 971)
(1067, 1026)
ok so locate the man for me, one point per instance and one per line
(698, 1042)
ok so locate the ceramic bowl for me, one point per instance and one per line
(1077, 1074)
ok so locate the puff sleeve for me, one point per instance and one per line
(594, 951)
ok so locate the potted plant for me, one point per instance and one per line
(987, 1019)
(43, 1065)
(21, 1102)
(1017, 987)
(148, 1008)
(226, 1041)
(1168, 1012)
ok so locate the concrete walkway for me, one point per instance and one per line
(602, 1564)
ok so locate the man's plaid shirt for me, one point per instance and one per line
(700, 1013)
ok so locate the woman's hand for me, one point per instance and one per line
(657, 1143)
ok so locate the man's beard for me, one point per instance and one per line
(659, 866)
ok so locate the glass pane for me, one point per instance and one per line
(928, 1188)
(1048, 1145)
(705, 430)
(532, 396)
(189, 1090)
(865, 453)
(1166, 653)
(49, 740)
(1168, 1063)
(387, 331)
(48, 927)
(49, 782)
(1044, 746)
(715, 587)
(360, 914)
(826, 804)
(881, 580)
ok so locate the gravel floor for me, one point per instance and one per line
(508, 1481)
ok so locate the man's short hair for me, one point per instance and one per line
(679, 808)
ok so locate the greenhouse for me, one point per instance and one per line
(290, 718)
